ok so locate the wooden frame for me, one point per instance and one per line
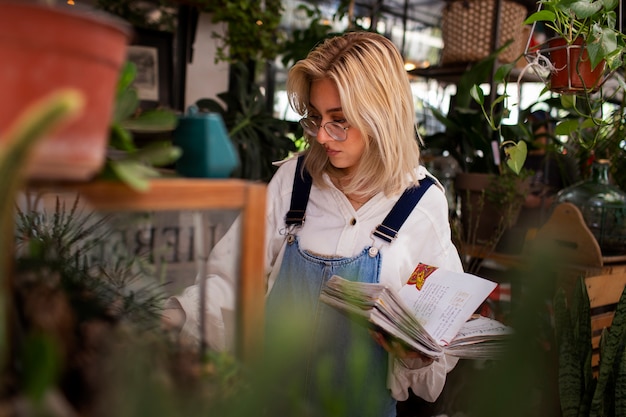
(152, 53)
(196, 194)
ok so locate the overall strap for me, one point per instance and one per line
(299, 195)
(388, 230)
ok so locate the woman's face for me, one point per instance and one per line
(326, 107)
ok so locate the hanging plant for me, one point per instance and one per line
(587, 46)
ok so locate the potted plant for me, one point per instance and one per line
(126, 161)
(44, 47)
(16, 145)
(587, 41)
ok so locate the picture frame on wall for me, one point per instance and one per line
(152, 53)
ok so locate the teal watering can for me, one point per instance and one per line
(207, 149)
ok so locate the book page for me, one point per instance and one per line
(444, 300)
(480, 327)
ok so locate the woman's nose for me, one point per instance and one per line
(323, 136)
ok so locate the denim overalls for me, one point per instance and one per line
(342, 368)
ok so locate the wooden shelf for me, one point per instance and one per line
(568, 236)
(164, 194)
(481, 252)
(452, 73)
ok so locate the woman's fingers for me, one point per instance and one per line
(397, 348)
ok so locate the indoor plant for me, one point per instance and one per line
(126, 161)
(591, 34)
(491, 193)
(475, 134)
(586, 35)
(596, 143)
(581, 392)
(259, 137)
(16, 145)
(253, 28)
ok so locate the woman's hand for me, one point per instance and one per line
(173, 319)
(399, 349)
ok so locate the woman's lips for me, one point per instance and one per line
(331, 152)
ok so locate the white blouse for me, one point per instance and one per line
(333, 227)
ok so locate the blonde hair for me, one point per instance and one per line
(376, 99)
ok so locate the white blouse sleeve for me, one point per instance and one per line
(223, 270)
(220, 295)
(426, 382)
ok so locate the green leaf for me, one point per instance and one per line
(614, 61)
(156, 154)
(158, 120)
(477, 94)
(120, 138)
(127, 76)
(610, 4)
(540, 16)
(611, 351)
(516, 156)
(126, 104)
(570, 373)
(620, 384)
(585, 8)
(134, 173)
(41, 362)
(210, 105)
(502, 72)
(568, 101)
(566, 127)
(601, 43)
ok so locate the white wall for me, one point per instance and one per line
(205, 78)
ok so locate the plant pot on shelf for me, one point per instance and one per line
(44, 48)
(572, 71)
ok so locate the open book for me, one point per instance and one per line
(432, 313)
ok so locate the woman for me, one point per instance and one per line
(358, 117)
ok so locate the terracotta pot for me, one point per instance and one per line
(44, 48)
(573, 75)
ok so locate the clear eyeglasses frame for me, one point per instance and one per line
(334, 129)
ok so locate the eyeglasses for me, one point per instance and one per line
(334, 129)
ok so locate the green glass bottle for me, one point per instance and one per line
(603, 207)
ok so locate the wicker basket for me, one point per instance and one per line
(467, 30)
